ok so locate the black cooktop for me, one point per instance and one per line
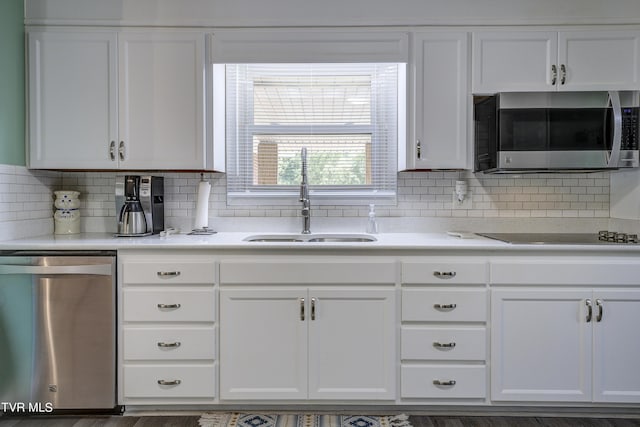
(564, 238)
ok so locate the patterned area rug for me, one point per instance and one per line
(236, 419)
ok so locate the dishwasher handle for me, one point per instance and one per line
(89, 269)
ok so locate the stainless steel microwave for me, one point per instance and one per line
(556, 131)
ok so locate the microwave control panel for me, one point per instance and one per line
(629, 129)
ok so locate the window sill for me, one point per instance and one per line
(354, 198)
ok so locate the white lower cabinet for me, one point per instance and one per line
(443, 331)
(302, 343)
(168, 341)
(541, 345)
(323, 329)
(565, 343)
(616, 371)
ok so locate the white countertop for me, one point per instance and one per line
(235, 240)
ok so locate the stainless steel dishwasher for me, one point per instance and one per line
(57, 331)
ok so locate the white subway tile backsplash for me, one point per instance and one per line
(28, 195)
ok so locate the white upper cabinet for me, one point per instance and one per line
(72, 95)
(438, 102)
(504, 61)
(162, 97)
(117, 100)
(593, 60)
(518, 61)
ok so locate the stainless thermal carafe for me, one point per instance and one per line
(131, 219)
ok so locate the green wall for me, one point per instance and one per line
(12, 104)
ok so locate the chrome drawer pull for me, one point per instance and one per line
(444, 345)
(169, 306)
(444, 274)
(302, 309)
(444, 306)
(445, 383)
(589, 310)
(172, 382)
(168, 344)
(168, 273)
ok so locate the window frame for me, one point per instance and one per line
(321, 195)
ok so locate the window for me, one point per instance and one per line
(346, 115)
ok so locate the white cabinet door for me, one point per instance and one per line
(599, 60)
(161, 97)
(506, 61)
(540, 345)
(509, 61)
(352, 344)
(616, 345)
(439, 102)
(72, 93)
(263, 343)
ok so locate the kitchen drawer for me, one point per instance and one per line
(194, 381)
(583, 272)
(168, 272)
(428, 343)
(418, 381)
(308, 271)
(182, 304)
(169, 343)
(444, 273)
(435, 304)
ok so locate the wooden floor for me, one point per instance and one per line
(417, 421)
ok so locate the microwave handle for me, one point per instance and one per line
(614, 157)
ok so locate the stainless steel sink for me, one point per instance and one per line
(342, 239)
(311, 238)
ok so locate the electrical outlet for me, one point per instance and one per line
(465, 204)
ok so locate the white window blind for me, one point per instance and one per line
(346, 115)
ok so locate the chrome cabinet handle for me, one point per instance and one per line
(554, 74)
(445, 383)
(418, 149)
(169, 306)
(589, 310)
(302, 309)
(169, 344)
(313, 309)
(563, 74)
(600, 306)
(437, 344)
(121, 151)
(168, 273)
(171, 382)
(112, 151)
(444, 306)
(444, 274)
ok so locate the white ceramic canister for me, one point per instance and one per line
(67, 216)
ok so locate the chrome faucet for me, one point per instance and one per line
(304, 196)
